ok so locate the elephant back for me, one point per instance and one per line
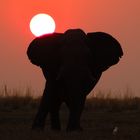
(73, 36)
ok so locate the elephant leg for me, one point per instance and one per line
(39, 121)
(54, 114)
(58, 98)
(54, 109)
(75, 106)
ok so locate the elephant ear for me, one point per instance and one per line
(43, 51)
(106, 50)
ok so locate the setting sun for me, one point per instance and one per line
(42, 24)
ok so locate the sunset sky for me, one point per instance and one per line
(121, 18)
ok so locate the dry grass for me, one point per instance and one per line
(16, 99)
(101, 115)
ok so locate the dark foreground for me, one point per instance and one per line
(103, 119)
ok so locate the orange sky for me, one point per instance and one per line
(119, 18)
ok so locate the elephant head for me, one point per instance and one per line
(105, 49)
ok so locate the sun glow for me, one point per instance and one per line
(42, 24)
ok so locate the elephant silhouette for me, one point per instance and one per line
(72, 63)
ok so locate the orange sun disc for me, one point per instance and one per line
(42, 24)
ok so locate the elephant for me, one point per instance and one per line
(72, 63)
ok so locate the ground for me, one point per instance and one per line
(103, 119)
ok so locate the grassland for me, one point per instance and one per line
(104, 118)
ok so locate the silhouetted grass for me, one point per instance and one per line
(16, 99)
(112, 104)
(102, 114)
